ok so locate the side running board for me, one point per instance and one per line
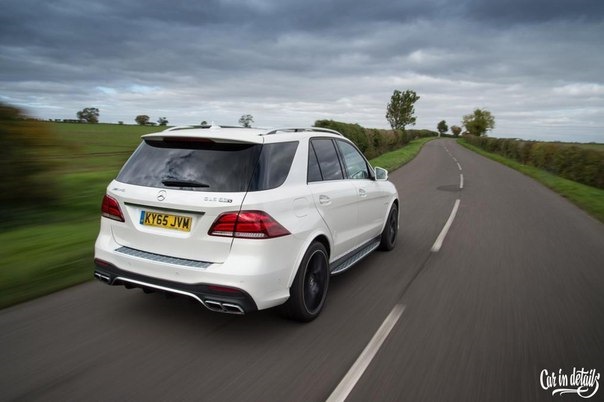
(355, 256)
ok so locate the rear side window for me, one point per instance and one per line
(327, 156)
(208, 166)
(274, 165)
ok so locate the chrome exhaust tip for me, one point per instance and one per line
(221, 307)
(102, 277)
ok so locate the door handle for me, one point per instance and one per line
(324, 200)
(362, 192)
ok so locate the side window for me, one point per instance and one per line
(327, 156)
(273, 165)
(354, 163)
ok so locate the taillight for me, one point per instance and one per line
(111, 209)
(247, 225)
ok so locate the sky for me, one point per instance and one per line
(536, 65)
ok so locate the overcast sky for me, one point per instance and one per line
(537, 65)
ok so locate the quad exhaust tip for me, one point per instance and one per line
(222, 307)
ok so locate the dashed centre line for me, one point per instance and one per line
(360, 365)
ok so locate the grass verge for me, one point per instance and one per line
(590, 199)
(395, 159)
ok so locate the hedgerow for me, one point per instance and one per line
(371, 141)
(582, 165)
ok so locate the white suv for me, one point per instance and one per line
(243, 219)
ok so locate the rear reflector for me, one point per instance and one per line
(222, 289)
(247, 225)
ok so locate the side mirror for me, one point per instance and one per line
(381, 173)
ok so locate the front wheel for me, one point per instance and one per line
(309, 289)
(388, 240)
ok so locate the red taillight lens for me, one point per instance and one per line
(247, 225)
(111, 209)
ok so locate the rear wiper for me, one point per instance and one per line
(183, 183)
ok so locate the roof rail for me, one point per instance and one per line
(176, 128)
(302, 129)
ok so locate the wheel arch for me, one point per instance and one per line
(315, 237)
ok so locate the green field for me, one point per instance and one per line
(591, 145)
(50, 247)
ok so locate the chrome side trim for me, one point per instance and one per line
(159, 287)
(163, 258)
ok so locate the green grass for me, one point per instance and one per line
(590, 199)
(45, 258)
(50, 247)
(395, 159)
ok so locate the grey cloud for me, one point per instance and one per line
(290, 60)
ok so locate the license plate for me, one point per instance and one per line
(166, 221)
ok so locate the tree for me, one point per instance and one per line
(400, 110)
(442, 127)
(142, 119)
(204, 123)
(162, 121)
(456, 130)
(89, 115)
(479, 122)
(246, 120)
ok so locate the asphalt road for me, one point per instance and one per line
(517, 287)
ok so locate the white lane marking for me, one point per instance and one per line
(461, 181)
(360, 365)
(458, 165)
(441, 237)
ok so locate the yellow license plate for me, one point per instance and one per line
(167, 221)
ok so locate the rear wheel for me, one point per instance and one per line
(309, 289)
(390, 232)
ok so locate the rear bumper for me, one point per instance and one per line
(215, 298)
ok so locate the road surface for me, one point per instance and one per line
(515, 287)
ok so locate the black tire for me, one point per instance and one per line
(309, 289)
(390, 232)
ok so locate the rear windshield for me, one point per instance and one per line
(209, 166)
